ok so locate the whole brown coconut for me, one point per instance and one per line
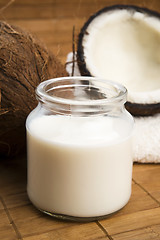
(24, 63)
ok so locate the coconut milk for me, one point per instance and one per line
(79, 166)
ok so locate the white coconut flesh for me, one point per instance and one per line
(124, 46)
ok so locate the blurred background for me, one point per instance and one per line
(52, 21)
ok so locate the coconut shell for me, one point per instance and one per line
(24, 63)
(136, 109)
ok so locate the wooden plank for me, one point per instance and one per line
(88, 231)
(12, 178)
(26, 2)
(7, 233)
(74, 2)
(27, 12)
(152, 232)
(49, 25)
(12, 188)
(1, 205)
(63, 9)
(133, 221)
(3, 218)
(31, 221)
(53, 31)
(139, 201)
(144, 167)
(6, 230)
(16, 200)
(149, 180)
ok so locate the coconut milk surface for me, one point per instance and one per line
(79, 166)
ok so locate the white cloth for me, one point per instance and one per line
(146, 137)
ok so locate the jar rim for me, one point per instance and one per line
(43, 95)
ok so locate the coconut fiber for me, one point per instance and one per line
(24, 63)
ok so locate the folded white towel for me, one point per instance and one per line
(146, 137)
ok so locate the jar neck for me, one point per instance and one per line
(81, 96)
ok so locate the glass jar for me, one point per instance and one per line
(79, 148)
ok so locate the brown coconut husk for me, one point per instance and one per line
(24, 63)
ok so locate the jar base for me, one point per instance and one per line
(77, 219)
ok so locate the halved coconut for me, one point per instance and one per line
(122, 43)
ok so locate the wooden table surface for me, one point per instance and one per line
(52, 21)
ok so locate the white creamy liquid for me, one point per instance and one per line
(79, 166)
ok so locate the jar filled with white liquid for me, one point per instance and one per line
(79, 148)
